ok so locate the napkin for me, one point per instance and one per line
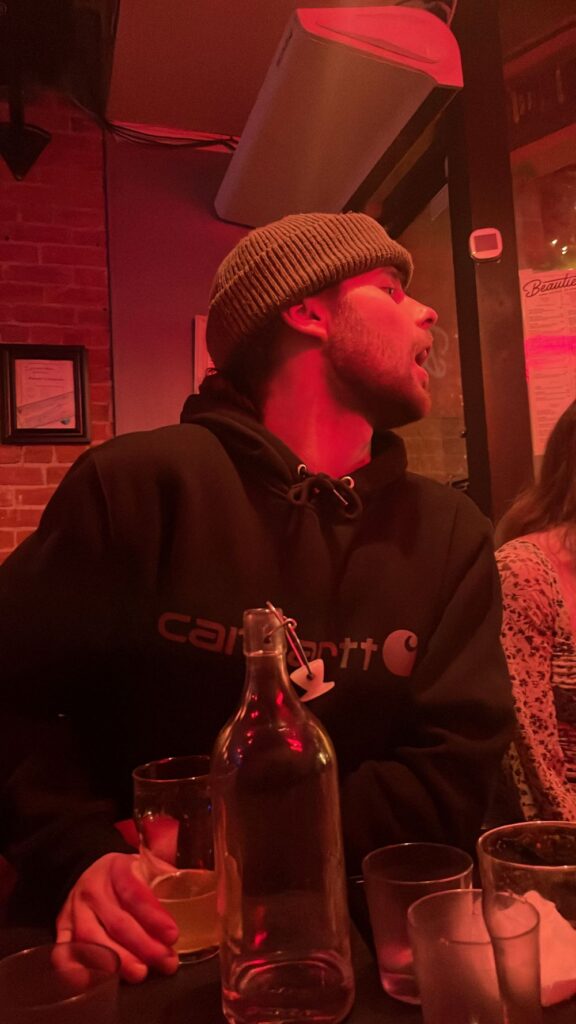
(557, 952)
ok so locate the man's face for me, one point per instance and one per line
(378, 341)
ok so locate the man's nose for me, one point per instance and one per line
(425, 316)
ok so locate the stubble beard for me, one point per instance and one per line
(379, 396)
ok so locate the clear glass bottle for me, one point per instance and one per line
(285, 950)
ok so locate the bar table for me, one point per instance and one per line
(192, 995)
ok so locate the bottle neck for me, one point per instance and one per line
(267, 681)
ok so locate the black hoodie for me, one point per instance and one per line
(121, 615)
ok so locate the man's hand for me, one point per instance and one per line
(112, 905)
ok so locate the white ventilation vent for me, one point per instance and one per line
(344, 85)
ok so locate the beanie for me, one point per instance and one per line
(278, 264)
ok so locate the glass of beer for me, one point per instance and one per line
(173, 816)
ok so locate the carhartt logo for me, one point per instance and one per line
(315, 687)
(399, 652)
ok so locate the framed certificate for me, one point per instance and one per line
(44, 391)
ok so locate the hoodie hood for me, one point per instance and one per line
(248, 442)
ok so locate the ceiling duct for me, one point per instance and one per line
(346, 95)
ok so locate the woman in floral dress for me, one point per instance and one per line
(537, 564)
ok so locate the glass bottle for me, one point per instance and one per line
(285, 950)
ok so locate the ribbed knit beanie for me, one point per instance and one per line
(280, 263)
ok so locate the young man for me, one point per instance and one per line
(282, 483)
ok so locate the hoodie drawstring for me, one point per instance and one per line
(311, 487)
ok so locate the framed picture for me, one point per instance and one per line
(201, 361)
(44, 390)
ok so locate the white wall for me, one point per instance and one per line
(165, 243)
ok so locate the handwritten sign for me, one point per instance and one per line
(549, 316)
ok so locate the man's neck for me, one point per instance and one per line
(302, 411)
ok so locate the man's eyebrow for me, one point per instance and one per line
(391, 272)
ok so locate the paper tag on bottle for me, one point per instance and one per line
(315, 686)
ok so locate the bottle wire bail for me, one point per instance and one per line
(289, 627)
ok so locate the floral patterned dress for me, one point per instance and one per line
(539, 640)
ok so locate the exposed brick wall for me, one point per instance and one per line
(54, 289)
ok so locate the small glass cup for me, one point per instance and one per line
(465, 973)
(60, 983)
(173, 816)
(396, 876)
(537, 860)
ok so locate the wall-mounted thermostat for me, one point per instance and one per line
(485, 244)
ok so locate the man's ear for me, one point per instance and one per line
(309, 316)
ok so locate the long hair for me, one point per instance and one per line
(551, 501)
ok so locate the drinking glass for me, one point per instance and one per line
(463, 976)
(537, 859)
(64, 983)
(396, 876)
(173, 816)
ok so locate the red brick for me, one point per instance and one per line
(101, 432)
(87, 198)
(8, 211)
(22, 535)
(10, 453)
(55, 275)
(78, 296)
(37, 213)
(98, 357)
(55, 474)
(94, 337)
(38, 453)
(101, 392)
(68, 453)
(96, 277)
(11, 292)
(78, 218)
(100, 317)
(31, 476)
(43, 314)
(47, 334)
(14, 334)
(100, 374)
(40, 273)
(99, 411)
(66, 334)
(70, 149)
(79, 170)
(91, 236)
(34, 195)
(20, 516)
(79, 255)
(40, 233)
(36, 497)
(19, 252)
(6, 497)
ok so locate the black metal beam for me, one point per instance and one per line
(487, 294)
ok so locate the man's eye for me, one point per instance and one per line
(394, 291)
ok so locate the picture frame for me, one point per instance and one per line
(44, 394)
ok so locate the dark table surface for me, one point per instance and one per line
(192, 995)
